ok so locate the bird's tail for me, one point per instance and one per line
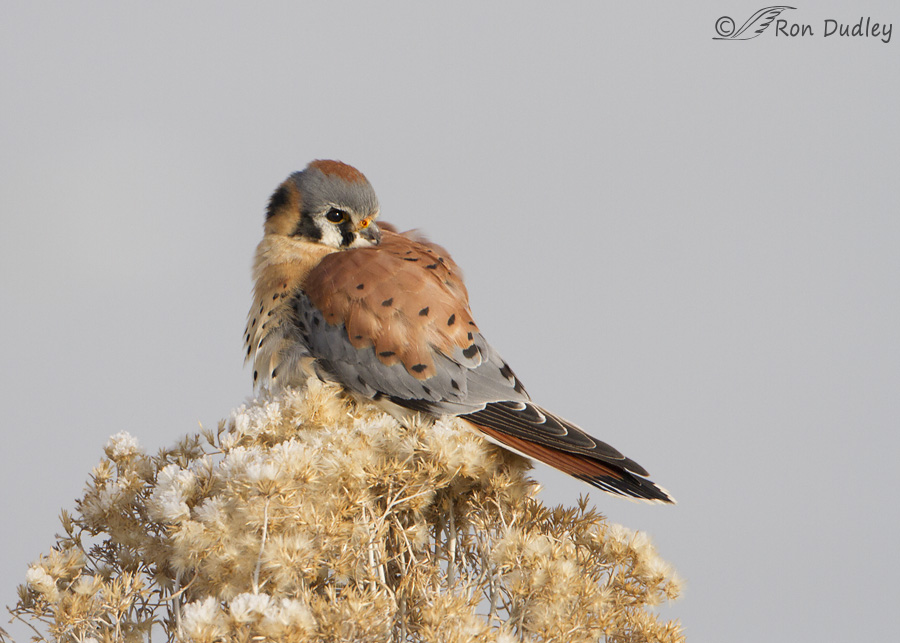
(529, 430)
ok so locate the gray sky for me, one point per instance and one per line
(691, 247)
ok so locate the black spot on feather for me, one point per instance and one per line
(423, 312)
(388, 302)
(470, 352)
(418, 368)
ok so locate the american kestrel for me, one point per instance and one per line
(386, 315)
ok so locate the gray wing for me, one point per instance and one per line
(460, 384)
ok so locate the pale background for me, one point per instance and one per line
(691, 247)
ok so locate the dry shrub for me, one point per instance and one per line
(307, 517)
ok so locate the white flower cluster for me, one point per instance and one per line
(174, 487)
(39, 580)
(208, 620)
(122, 445)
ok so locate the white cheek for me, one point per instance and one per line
(331, 236)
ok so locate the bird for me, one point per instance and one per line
(386, 315)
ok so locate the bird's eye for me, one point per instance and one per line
(335, 216)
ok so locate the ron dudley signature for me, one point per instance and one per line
(866, 28)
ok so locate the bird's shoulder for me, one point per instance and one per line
(405, 296)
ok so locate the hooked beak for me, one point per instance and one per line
(369, 231)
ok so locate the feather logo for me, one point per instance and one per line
(755, 25)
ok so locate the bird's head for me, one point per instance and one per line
(330, 203)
